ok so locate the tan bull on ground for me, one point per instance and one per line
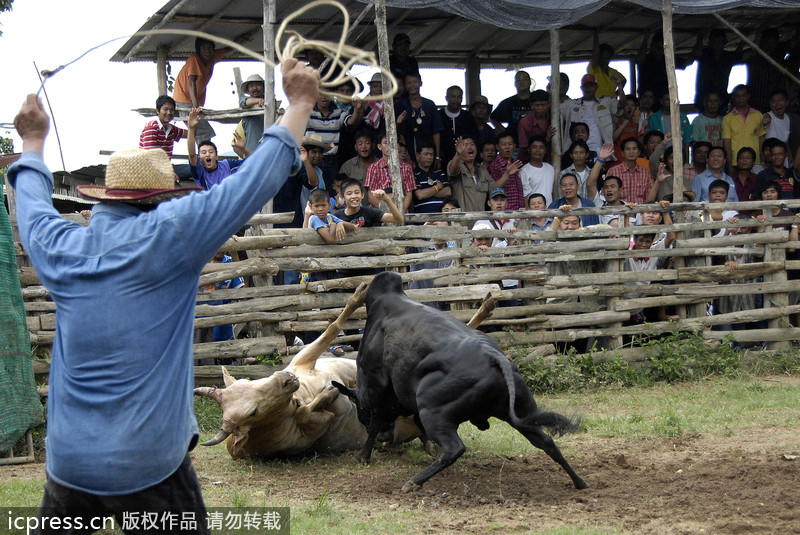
(296, 410)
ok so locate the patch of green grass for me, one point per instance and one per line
(208, 414)
(22, 493)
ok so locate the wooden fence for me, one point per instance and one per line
(572, 284)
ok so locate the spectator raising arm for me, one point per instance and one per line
(394, 215)
(192, 122)
(606, 151)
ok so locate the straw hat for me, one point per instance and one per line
(315, 140)
(142, 176)
(250, 79)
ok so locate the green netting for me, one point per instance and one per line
(20, 408)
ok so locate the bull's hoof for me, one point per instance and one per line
(361, 459)
(580, 484)
(432, 448)
(410, 486)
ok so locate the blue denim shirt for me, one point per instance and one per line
(119, 414)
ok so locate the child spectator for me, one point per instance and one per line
(252, 127)
(718, 192)
(366, 216)
(537, 175)
(337, 201)
(160, 133)
(311, 154)
(432, 185)
(191, 82)
(488, 154)
(498, 200)
(329, 227)
(578, 131)
(380, 179)
(211, 170)
(537, 201)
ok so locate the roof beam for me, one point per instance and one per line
(209, 21)
(138, 46)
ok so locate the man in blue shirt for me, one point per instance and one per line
(120, 419)
(715, 171)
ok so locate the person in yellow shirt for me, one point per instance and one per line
(742, 127)
(608, 79)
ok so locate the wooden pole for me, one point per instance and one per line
(388, 104)
(473, 88)
(674, 103)
(161, 70)
(555, 106)
(268, 29)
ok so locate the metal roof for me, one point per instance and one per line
(444, 36)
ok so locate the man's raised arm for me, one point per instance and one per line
(301, 85)
(32, 124)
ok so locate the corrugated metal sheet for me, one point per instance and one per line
(447, 32)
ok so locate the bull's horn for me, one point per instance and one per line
(207, 391)
(222, 435)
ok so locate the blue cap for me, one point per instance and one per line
(497, 191)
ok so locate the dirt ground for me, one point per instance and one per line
(741, 484)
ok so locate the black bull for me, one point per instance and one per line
(416, 360)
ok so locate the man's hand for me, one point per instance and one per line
(300, 83)
(32, 124)
(238, 141)
(194, 118)
(513, 167)
(379, 194)
(303, 155)
(606, 151)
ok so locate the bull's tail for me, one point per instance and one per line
(508, 374)
(558, 424)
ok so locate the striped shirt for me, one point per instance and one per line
(378, 176)
(327, 127)
(513, 186)
(636, 182)
(156, 136)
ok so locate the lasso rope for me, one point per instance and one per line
(341, 54)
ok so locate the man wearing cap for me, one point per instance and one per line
(598, 113)
(513, 109)
(252, 127)
(120, 418)
(480, 110)
(400, 63)
(457, 123)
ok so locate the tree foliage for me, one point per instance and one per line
(5, 5)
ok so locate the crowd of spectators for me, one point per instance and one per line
(617, 148)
